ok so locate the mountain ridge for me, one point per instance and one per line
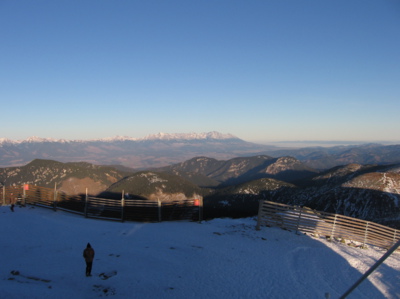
(241, 169)
(368, 192)
(72, 177)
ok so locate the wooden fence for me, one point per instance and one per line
(303, 219)
(102, 208)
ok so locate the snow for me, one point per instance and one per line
(32, 139)
(41, 257)
(189, 136)
(159, 136)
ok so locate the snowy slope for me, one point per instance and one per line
(222, 258)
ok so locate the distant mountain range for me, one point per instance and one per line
(163, 149)
(327, 157)
(152, 151)
(159, 136)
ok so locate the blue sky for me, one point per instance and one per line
(261, 70)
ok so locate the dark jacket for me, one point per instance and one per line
(88, 254)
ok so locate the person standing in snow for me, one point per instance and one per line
(88, 254)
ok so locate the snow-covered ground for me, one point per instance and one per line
(41, 257)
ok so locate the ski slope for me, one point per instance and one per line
(41, 257)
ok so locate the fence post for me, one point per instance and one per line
(159, 210)
(365, 235)
(298, 220)
(333, 227)
(55, 197)
(4, 195)
(260, 204)
(122, 206)
(201, 209)
(24, 194)
(86, 204)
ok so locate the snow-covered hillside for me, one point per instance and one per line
(41, 257)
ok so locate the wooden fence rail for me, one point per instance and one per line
(103, 208)
(305, 220)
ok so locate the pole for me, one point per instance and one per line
(372, 269)
(4, 195)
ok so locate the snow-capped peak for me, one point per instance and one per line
(189, 136)
(32, 139)
(39, 139)
(116, 138)
(2, 140)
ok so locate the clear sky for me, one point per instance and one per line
(261, 70)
